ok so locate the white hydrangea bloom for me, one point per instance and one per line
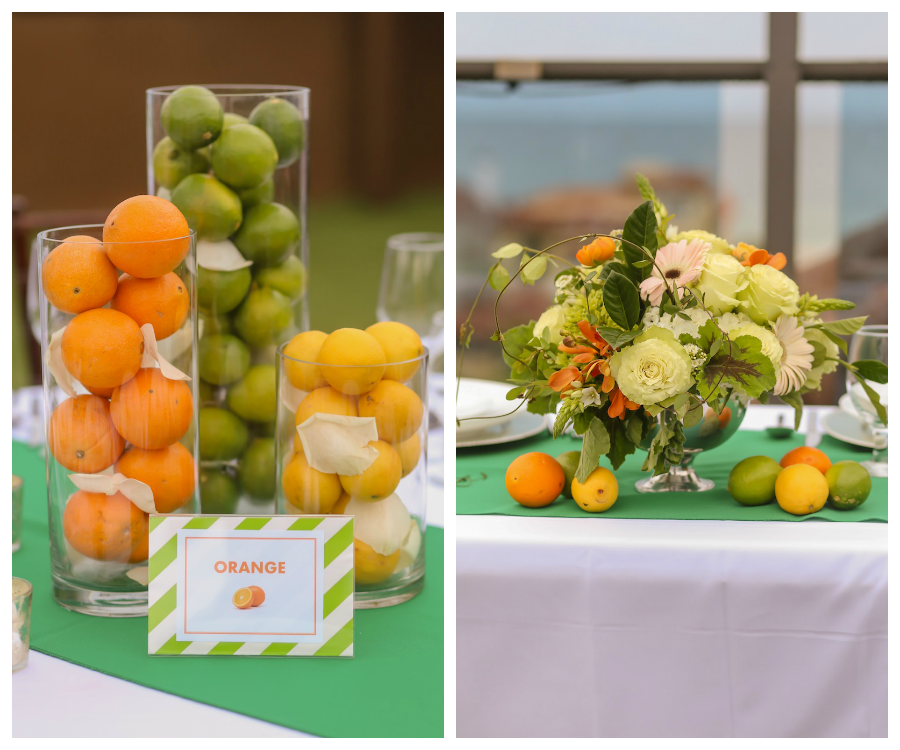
(729, 321)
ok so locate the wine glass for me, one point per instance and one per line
(412, 292)
(871, 342)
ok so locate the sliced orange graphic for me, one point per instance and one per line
(243, 598)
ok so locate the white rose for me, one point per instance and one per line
(552, 320)
(653, 368)
(722, 278)
(769, 294)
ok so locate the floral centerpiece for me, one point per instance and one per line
(653, 328)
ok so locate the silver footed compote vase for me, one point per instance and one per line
(713, 430)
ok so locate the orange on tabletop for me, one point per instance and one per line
(105, 527)
(535, 480)
(804, 455)
(102, 348)
(162, 302)
(151, 411)
(154, 233)
(82, 436)
(77, 275)
(169, 472)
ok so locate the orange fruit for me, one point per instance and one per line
(168, 471)
(535, 480)
(102, 348)
(82, 436)
(162, 302)
(810, 456)
(243, 598)
(724, 417)
(102, 392)
(142, 551)
(146, 236)
(151, 411)
(105, 527)
(259, 596)
(77, 275)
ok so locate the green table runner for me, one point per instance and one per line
(481, 489)
(393, 687)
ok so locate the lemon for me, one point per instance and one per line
(398, 410)
(801, 489)
(849, 484)
(569, 462)
(326, 400)
(308, 490)
(371, 567)
(380, 479)
(409, 450)
(305, 346)
(752, 481)
(400, 343)
(599, 491)
(355, 361)
(341, 505)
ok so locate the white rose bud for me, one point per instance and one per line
(552, 320)
(722, 278)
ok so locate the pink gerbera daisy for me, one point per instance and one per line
(677, 263)
(797, 357)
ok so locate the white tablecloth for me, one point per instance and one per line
(615, 628)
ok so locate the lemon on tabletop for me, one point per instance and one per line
(849, 485)
(801, 489)
(752, 481)
(598, 493)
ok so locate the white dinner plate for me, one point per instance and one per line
(522, 425)
(483, 398)
(847, 427)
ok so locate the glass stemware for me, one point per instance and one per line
(871, 342)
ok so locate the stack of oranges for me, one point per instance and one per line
(131, 417)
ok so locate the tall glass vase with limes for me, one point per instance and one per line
(233, 158)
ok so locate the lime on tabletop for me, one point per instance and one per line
(219, 492)
(849, 485)
(172, 163)
(289, 278)
(257, 469)
(192, 117)
(752, 481)
(244, 156)
(219, 292)
(262, 317)
(268, 234)
(284, 124)
(223, 359)
(254, 398)
(211, 208)
(223, 436)
(263, 193)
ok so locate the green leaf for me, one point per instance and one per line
(845, 327)
(516, 393)
(634, 427)
(640, 228)
(516, 341)
(875, 399)
(694, 414)
(616, 338)
(512, 250)
(621, 300)
(739, 364)
(566, 272)
(819, 353)
(645, 187)
(499, 277)
(872, 370)
(841, 342)
(580, 422)
(794, 400)
(534, 269)
(620, 445)
(596, 443)
(642, 263)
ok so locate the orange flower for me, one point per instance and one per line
(749, 255)
(618, 404)
(600, 250)
(562, 381)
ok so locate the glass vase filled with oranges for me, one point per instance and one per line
(351, 439)
(118, 330)
(233, 159)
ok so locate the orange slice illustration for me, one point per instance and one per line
(243, 598)
(259, 596)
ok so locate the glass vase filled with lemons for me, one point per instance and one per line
(233, 159)
(118, 331)
(351, 439)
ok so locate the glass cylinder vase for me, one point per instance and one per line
(233, 158)
(353, 440)
(120, 409)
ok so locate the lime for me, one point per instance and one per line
(264, 429)
(222, 435)
(220, 292)
(232, 118)
(289, 278)
(262, 317)
(223, 359)
(213, 325)
(569, 462)
(211, 208)
(206, 393)
(219, 491)
(172, 163)
(752, 481)
(263, 193)
(269, 234)
(849, 484)
(284, 124)
(192, 117)
(243, 156)
(254, 397)
(257, 470)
